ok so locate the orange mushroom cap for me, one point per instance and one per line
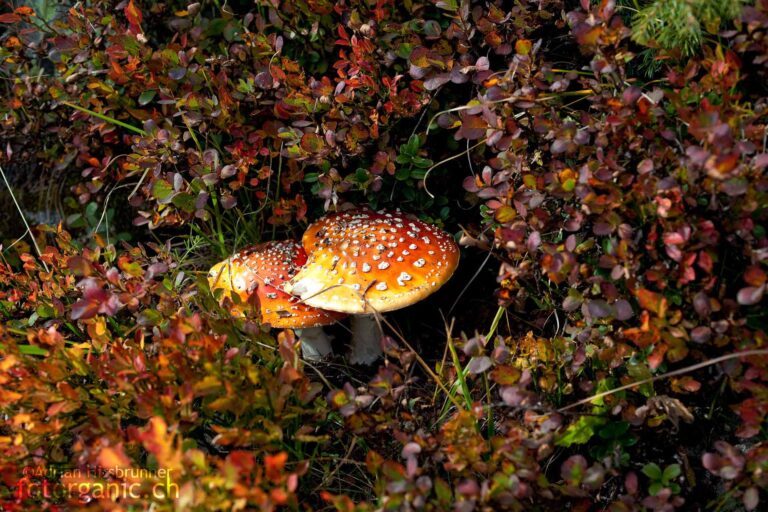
(362, 261)
(257, 273)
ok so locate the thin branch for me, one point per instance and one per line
(441, 162)
(681, 371)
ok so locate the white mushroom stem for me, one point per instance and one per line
(315, 344)
(366, 340)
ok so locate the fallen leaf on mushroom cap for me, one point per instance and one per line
(257, 273)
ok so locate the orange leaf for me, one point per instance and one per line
(279, 496)
(652, 301)
(113, 457)
(24, 11)
(657, 356)
(134, 17)
(523, 46)
(160, 443)
(754, 276)
(274, 465)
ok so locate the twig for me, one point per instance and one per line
(424, 364)
(441, 162)
(681, 371)
(471, 280)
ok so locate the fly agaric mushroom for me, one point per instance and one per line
(257, 273)
(364, 262)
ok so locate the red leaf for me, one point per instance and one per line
(134, 17)
(9, 18)
(84, 309)
(274, 465)
(24, 11)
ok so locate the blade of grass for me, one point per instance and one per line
(495, 323)
(105, 118)
(421, 361)
(491, 428)
(192, 134)
(461, 372)
(460, 376)
(23, 218)
(29, 350)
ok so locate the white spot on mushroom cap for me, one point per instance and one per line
(403, 277)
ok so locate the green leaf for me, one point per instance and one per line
(404, 50)
(185, 202)
(640, 371)
(655, 488)
(402, 174)
(413, 144)
(45, 311)
(32, 350)
(671, 472)
(448, 5)
(652, 471)
(581, 431)
(146, 97)
(443, 491)
(161, 190)
(421, 162)
(76, 220)
(149, 317)
(599, 403)
(90, 211)
(614, 430)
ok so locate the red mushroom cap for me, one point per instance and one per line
(258, 272)
(363, 261)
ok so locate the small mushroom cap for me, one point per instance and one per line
(362, 261)
(257, 273)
